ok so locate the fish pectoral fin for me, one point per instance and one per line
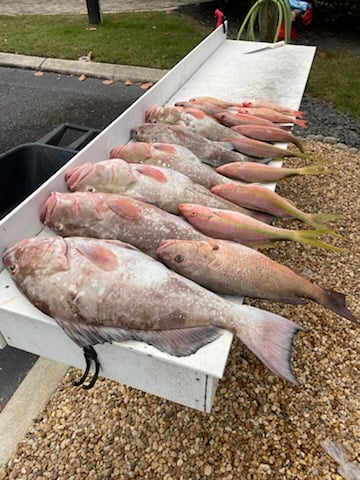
(90, 356)
(100, 256)
(123, 207)
(152, 172)
(177, 342)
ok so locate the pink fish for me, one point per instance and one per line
(272, 115)
(203, 105)
(102, 291)
(194, 118)
(230, 119)
(268, 134)
(111, 216)
(248, 103)
(230, 268)
(254, 172)
(273, 106)
(227, 225)
(259, 197)
(213, 130)
(172, 156)
(161, 186)
(258, 149)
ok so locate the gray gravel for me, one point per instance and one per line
(326, 123)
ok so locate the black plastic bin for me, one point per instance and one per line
(25, 168)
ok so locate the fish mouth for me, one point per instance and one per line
(76, 175)
(150, 113)
(134, 132)
(116, 152)
(185, 208)
(48, 208)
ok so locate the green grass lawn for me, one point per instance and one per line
(153, 39)
(158, 40)
(335, 78)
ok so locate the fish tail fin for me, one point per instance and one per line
(306, 156)
(298, 113)
(319, 219)
(314, 170)
(269, 337)
(299, 144)
(335, 301)
(301, 122)
(310, 238)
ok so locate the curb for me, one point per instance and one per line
(26, 403)
(77, 67)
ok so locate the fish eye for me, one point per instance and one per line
(179, 258)
(13, 268)
(90, 189)
(58, 226)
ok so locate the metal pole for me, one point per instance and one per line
(94, 13)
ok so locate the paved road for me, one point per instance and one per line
(35, 105)
(54, 7)
(31, 106)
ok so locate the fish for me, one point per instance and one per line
(268, 134)
(249, 103)
(229, 268)
(230, 119)
(191, 117)
(105, 290)
(234, 226)
(117, 217)
(259, 149)
(273, 106)
(206, 107)
(254, 172)
(225, 116)
(211, 129)
(161, 186)
(259, 197)
(272, 115)
(176, 157)
(213, 153)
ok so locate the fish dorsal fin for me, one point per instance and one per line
(99, 255)
(123, 207)
(152, 172)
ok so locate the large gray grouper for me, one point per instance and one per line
(105, 290)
